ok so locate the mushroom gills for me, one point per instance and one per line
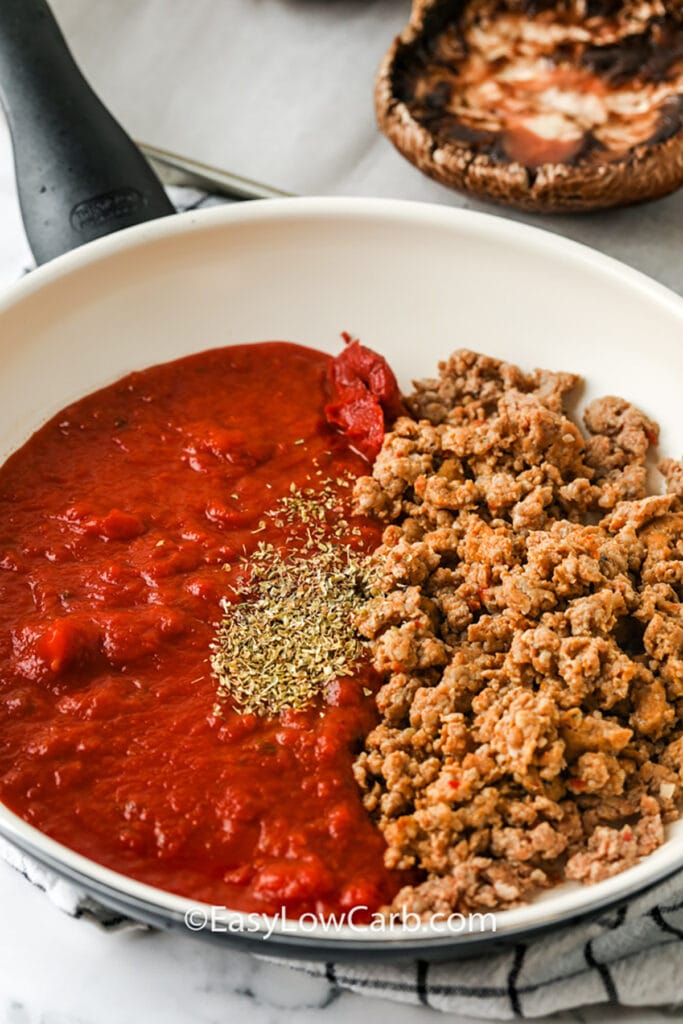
(551, 106)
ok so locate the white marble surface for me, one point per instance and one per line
(279, 90)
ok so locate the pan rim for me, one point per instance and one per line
(169, 908)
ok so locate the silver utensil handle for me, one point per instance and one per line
(174, 169)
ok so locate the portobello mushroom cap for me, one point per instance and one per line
(576, 105)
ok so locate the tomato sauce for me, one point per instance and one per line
(123, 523)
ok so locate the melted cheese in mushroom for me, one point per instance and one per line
(552, 87)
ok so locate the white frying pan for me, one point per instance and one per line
(414, 281)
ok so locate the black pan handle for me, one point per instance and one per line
(79, 175)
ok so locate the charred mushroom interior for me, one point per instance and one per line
(582, 85)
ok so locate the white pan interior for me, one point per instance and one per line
(411, 280)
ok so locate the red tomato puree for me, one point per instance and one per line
(118, 521)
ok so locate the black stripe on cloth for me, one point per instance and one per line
(619, 919)
(512, 990)
(24, 874)
(331, 973)
(612, 923)
(603, 971)
(195, 205)
(111, 922)
(115, 921)
(667, 907)
(422, 969)
(476, 991)
(657, 917)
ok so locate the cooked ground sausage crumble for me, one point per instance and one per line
(530, 633)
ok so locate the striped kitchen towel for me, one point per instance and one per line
(631, 957)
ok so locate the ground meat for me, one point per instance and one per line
(673, 474)
(528, 624)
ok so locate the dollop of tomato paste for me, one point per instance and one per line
(365, 397)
